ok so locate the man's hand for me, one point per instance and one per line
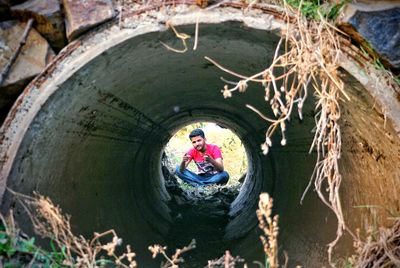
(208, 158)
(185, 158)
(217, 163)
(185, 161)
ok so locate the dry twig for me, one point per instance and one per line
(381, 248)
(181, 36)
(49, 222)
(174, 260)
(226, 261)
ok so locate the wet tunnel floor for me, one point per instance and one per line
(200, 214)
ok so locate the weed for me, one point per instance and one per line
(310, 59)
(16, 249)
(379, 249)
(270, 228)
(370, 55)
(226, 261)
(174, 260)
(69, 249)
(314, 9)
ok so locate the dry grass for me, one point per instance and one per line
(226, 261)
(174, 260)
(309, 62)
(270, 228)
(49, 222)
(381, 248)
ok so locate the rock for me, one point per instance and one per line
(376, 25)
(48, 19)
(84, 15)
(34, 56)
(178, 200)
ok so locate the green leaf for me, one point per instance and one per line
(26, 246)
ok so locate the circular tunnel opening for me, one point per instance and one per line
(92, 135)
(233, 152)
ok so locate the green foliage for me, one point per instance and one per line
(397, 79)
(186, 186)
(312, 8)
(379, 66)
(16, 251)
(344, 263)
(6, 244)
(10, 245)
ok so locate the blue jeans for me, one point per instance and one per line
(197, 180)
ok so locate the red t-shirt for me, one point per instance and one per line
(198, 157)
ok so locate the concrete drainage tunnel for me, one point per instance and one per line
(91, 136)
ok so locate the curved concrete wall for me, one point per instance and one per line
(91, 135)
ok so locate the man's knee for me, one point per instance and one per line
(178, 169)
(225, 175)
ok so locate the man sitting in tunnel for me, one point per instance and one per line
(208, 159)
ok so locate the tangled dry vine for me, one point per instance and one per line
(380, 249)
(309, 59)
(49, 222)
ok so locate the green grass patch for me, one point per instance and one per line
(312, 9)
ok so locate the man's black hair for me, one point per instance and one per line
(196, 132)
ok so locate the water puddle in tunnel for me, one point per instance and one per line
(199, 213)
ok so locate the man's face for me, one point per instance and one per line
(198, 143)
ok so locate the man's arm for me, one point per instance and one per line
(185, 162)
(217, 163)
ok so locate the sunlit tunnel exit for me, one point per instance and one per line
(232, 149)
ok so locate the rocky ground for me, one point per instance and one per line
(206, 210)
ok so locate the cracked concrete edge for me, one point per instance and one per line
(379, 85)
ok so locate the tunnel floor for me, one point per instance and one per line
(199, 213)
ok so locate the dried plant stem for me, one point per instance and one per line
(310, 57)
(49, 222)
(174, 260)
(270, 228)
(381, 248)
(181, 36)
(226, 261)
(196, 34)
